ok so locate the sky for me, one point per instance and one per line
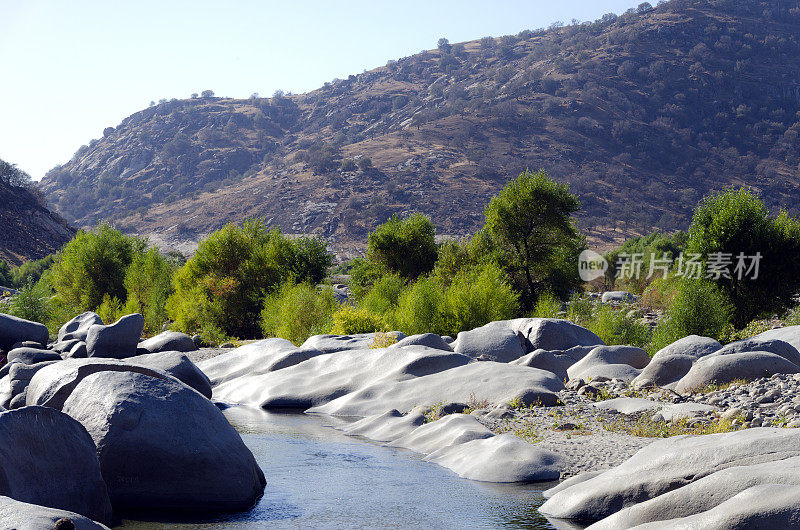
(70, 69)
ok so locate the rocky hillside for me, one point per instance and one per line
(29, 231)
(641, 113)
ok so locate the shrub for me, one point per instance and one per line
(404, 246)
(148, 284)
(363, 275)
(420, 308)
(31, 303)
(382, 298)
(110, 309)
(297, 311)
(477, 297)
(737, 222)
(92, 266)
(532, 236)
(547, 306)
(698, 308)
(348, 320)
(614, 326)
(233, 270)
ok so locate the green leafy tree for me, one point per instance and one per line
(6, 275)
(530, 232)
(296, 311)
(148, 284)
(404, 246)
(233, 270)
(734, 223)
(93, 265)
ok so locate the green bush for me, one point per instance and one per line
(297, 311)
(349, 320)
(233, 270)
(614, 326)
(110, 309)
(383, 296)
(148, 284)
(420, 308)
(547, 306)
(363, 275)
(698, 308)
(92, 266)
(404, 246)
(32, 270)
(477, 297)
(32, 302)
(6, 274)
(737, 222)
(655, 244)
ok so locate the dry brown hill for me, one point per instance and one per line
(642, 114)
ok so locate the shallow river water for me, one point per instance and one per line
(319, 478)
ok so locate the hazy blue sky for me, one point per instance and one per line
(72, 68)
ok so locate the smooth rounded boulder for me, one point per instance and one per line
(778, 347)
(611, 362)
(116, 341)
(31, 356)
(161, 445)
(723, 369)
(553, 334)
(178, 365)
(78, 327)
(14, 329)
(694, 346)
(26, 516)
(48, 459)
(168, 341)
(491, 342)
(431, 340)
(664, 371)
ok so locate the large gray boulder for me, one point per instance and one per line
(337, 343)
(555, 362)
(179, 366)
(19, 377)
(385, 427)
(78, 327)
(612, 362)
(161, 445)
(325, 377)
(705, 494)
(553, 334)
(693, 346)
(664, 371)
(617, 297)
(763, 506)
(501, 458)
(49, 459)
(168, 341)
(116, 341)
(26, 516)
(490, 342)
(667, 465)
(14, 329)
(496, 383)
(31, 355)
(778, 347)
(431, 340)
(790, 334)
(453, 429)
(723, 369)
(254, 359)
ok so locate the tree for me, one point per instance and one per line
(92, 266)
(530, 232)
(737, 223)
(224, 285)
(207, 94)
(443, 45)
(404, 246)
(364, 163)
(14, 176)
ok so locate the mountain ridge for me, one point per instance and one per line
(641, 114)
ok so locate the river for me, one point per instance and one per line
(317, 477)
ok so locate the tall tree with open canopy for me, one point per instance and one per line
(530, 232)
(404, 246)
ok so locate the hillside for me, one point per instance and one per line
(641, 114)
(29, 230)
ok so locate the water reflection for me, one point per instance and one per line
(317, 477)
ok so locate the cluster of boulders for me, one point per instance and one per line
(97, 422)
